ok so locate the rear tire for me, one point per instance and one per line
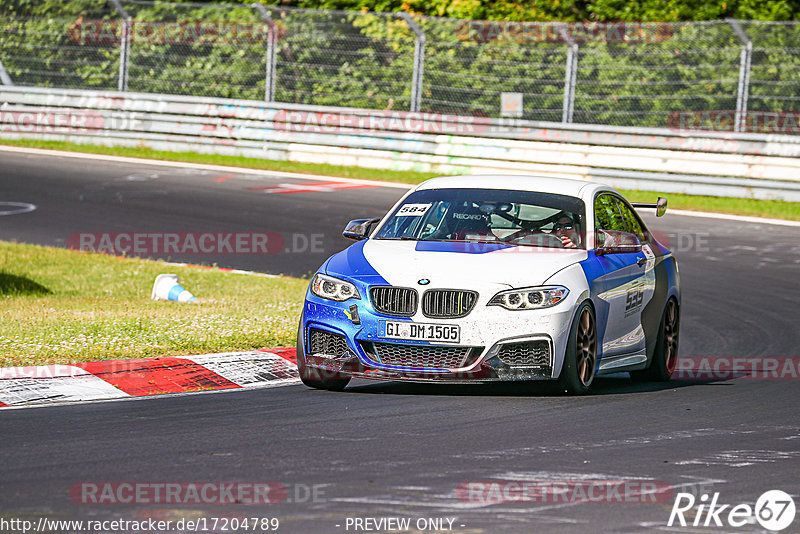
(665, 357)
(316, 378)
(580, 359)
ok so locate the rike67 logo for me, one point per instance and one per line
(774, 510)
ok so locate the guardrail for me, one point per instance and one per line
(707, 163)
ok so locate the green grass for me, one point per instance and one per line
(737, 206)
(62, 306)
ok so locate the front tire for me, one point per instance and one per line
(580, 359)
(316, 378)
(665, 357)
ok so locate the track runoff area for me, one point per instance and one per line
(706, 452)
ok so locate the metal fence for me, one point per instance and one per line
(720, 75)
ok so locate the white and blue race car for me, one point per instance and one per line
(495, 278)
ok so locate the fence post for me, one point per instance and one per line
(5, 79)
(125, 46)
(743, 89)
(570, 75)
(419, 61)
(272, 42)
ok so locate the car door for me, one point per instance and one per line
(622, 289)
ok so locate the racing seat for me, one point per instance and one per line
(468, 223)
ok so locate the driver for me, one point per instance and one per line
(565, 229)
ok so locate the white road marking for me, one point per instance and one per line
(607, 444)
(741, 458)
(223, 269)
(184, 165)
(562, 476)
(742, 218)
(15, 208)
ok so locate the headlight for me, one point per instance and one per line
(531, 298)
(331, 288)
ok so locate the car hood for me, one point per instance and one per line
(450, 264)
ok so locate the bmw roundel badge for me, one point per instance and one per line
(423, 281)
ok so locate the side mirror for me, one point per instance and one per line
(661, 207)
(616, 242)
(359, 229)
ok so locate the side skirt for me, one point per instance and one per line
(623, 362)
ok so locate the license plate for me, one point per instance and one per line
(442, 333)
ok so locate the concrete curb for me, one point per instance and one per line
(118, 379)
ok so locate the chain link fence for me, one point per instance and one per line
(214, 50)
(43, 49)
(341, 58)
(775, 66)
(720, 75)
(468, 65)
(680, 68)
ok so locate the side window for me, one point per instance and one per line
(607, 215)
(631, 222)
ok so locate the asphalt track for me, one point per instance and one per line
(399, 450)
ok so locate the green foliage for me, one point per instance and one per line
(38, 44)
(227, 66)
(688, 10)
(532, 10)
(356, 58)
(344, 59)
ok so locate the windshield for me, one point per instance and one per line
(489, 216)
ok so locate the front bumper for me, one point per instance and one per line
(487, 371)
(487, 331)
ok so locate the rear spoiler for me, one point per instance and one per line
(660, 206)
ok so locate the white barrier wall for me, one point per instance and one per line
(707, 163)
